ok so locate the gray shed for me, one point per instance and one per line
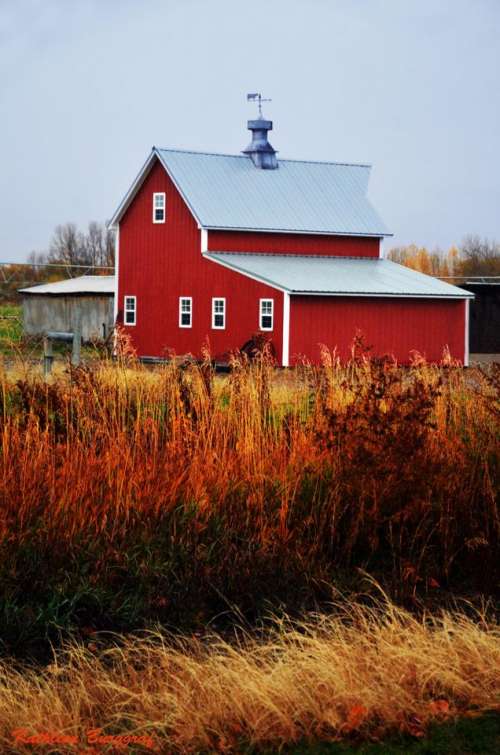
(52, 306)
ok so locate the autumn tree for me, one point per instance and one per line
(474, 257)
(420, 259)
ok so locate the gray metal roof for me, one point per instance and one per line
(229, 192)
(341, 276)
(84, 284)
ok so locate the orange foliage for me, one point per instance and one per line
(182, 487)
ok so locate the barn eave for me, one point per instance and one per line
(348, 276)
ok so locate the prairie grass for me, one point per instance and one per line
(364, 673)
(131, 496)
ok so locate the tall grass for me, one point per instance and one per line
(129, 496)
(363, 674)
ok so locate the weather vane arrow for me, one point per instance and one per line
(257, 97)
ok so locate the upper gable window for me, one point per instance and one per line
(159, 207)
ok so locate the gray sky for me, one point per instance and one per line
(411, 86)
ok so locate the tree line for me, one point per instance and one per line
(93, 250)
(72, 248)
(72, 252)
(474, 257)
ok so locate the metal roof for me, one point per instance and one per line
(229, 192)
(341, 276)
(84, 284)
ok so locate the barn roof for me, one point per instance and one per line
(84, 284)
(342, 276)
(228, 192)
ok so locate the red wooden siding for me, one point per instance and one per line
(252, 241)
(158, 263)
(391, 326)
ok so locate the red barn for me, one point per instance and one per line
(215, 248)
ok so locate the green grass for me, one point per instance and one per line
(14, 343)
(11, 323)
(467, 735)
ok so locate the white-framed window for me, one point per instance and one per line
(159, 203)
(218, 313)
(266, 314)
(185, 311)
(129, 310)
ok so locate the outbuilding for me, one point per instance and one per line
(484, 314)
(53, 306)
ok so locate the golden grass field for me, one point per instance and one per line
(363, 672)
(177, 499)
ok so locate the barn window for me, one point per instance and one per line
(130, 308)
(159, 207)
(185, 311)
(266, 314)
(219, 314)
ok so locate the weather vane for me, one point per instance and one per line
(257, 97)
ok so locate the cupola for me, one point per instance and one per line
(261, 152)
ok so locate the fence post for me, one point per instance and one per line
(77, 338)
(48, 356)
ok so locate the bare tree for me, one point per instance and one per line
(479, 256)
(68, 248)
(93, 243)
(109, 248)
(92, 250)
(100, 245)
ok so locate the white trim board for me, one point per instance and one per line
(204, 240)
(285, 356)
(117, 276)
(467, 324)
(416, 297)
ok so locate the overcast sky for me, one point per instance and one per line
(411, 86)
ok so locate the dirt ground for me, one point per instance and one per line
(484, 358)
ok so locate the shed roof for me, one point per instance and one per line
(340, 276)
(84, 284)
(229, 192)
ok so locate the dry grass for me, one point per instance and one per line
(365, 672)
(130, 496)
